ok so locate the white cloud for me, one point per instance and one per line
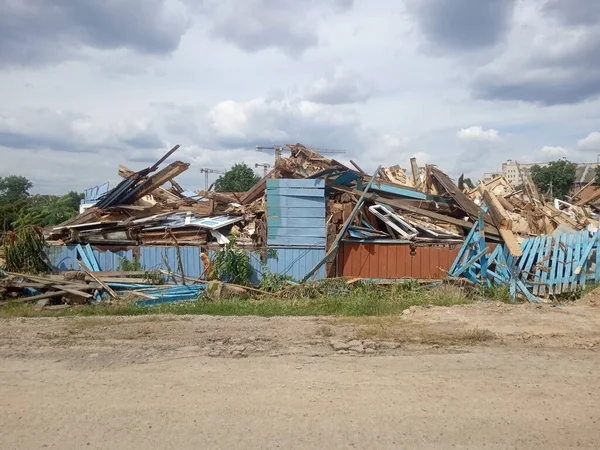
(477, 133)
(590, 143)
(553, 152)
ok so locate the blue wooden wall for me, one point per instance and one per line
(296, 213)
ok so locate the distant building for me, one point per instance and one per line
(512, 171)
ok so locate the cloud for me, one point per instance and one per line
(254, 25)
(462, 25)
(553, 152)
(64, 131)
(477, 133)
(38, 32)
(587, 12)
(339, 87)
(551, 57)
(591, 143)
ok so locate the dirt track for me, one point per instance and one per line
(478, 376)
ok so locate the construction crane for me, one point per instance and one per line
(279, 150)
(265, 166)
(206, 171)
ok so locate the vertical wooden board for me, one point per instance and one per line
(554, 264)
(527, 249)
(585, 240)
(434, 261)
(533, 252)
(425, 266)
(382, 260)
(355, 255)
(545, 271)
(415, 261)
(392, 261)
(569, 263)
(560, 264)
(403, 260)
(576, 255)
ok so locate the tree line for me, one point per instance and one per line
(19, 208)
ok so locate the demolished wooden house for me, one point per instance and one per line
(324, 218)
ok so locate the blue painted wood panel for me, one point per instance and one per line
(291, 207)
(293, 183)
(309, 222)
(293, 212)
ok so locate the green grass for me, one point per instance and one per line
(362, 300)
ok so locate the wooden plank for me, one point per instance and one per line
(526, 247)
(546, 260)
(560, 264)
(295, 202)
(576, 255)
(161, 177)
(406, 206)
(301, 241)
(554, 264)
(294, 211)
(585, 241)
(461, 269)
(112, 293)
(288, 222)
(92, 258)
(484, 261)
(296, 231)
(463, 250)
(581, 263)
(537, 275)
(569, 263)
(532, 254)
(35, 298)
(304, 183)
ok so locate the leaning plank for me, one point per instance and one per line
(335, 245)
(584, 256)
(112, 293)
(502, 221)
(158, 179)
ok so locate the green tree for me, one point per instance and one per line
(239, 178)
(14, 193)
(555, 179)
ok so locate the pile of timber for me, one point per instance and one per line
(69, 288)
(150, 208)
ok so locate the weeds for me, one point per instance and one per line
(231, 264)
(321, 299)
(24, 250)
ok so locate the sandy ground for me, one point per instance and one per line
(479, 376)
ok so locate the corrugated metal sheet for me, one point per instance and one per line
(152, 259)
(293, 261)
(368, 260)
(296, 213)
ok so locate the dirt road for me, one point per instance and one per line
(480, 376)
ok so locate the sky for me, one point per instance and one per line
(463, 84)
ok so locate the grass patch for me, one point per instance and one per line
(390, 329)
(362, 300)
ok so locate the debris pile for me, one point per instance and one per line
(141, 211)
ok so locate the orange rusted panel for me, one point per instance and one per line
(394, 260)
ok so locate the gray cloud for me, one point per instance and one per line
(254, 25)
(37, 32)
(552, 59)
(339, 88)
(579, 12)
(44, 129)
(462, 25)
